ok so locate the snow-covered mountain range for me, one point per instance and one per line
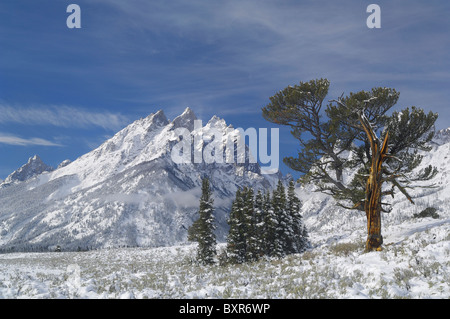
(127, 192)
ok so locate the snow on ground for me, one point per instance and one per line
(414, 264)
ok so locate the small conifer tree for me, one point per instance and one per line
(284, 233)
(236, 238)
(259, 224)
(251, 236)
(270, 225)
(300, 235)
(202, 230)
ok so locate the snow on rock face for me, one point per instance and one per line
(64, 163)
(32, 168)
(127, 192)
(186, 120)
(441, 137)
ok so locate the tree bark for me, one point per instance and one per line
(372, 203)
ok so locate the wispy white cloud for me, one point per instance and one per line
(61, 116)
(19, 141)
(218, 55)
(253, 46)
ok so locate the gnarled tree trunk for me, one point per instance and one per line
(372, 203)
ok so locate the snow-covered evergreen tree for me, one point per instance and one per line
(284, 232)
(251, 249)
(202, 230)
(236, 239)
(300, 234)
(270, 225)
(265, 225)
(259, 213)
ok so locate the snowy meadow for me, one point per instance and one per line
(414, 264)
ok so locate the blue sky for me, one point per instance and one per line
(64, 91)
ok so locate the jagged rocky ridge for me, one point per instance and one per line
(32, 168)
(127, 192)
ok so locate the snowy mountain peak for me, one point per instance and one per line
(35, 158)
(159, 118)
(35, 166)
(442, 136)
(188, 112)
(186, 120)
(217, 122)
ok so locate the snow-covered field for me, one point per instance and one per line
(414, 264)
